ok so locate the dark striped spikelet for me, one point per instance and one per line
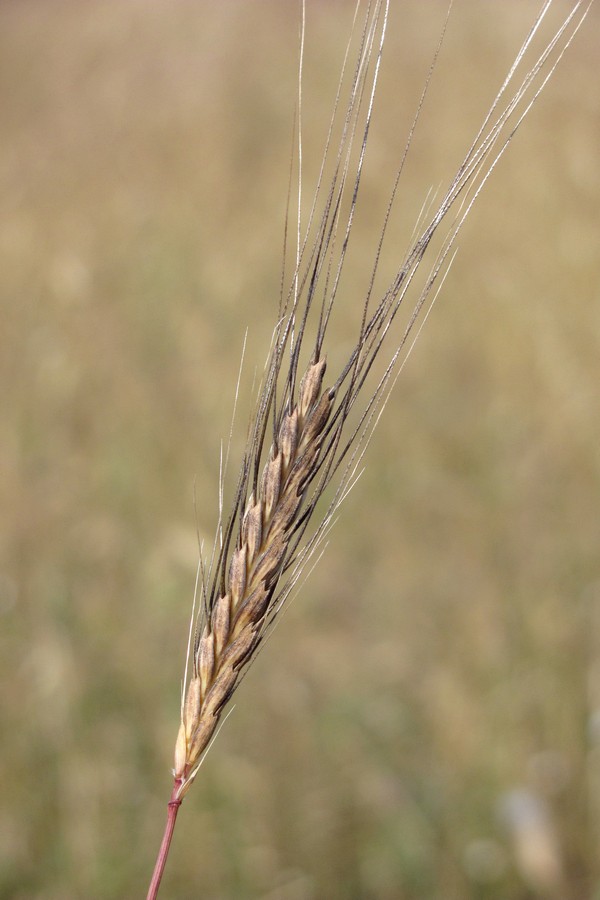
(237, 621)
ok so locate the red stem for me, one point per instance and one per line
(161, 859)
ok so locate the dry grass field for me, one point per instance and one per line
(425, 722)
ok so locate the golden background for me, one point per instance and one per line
(425, 722)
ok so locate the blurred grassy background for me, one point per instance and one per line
(426, 722)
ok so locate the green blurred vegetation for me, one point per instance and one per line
(425, 722)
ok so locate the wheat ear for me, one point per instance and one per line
(315, 440)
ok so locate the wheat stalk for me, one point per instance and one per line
(308, 433)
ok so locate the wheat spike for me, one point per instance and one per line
(304, 437)
(312, 443)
